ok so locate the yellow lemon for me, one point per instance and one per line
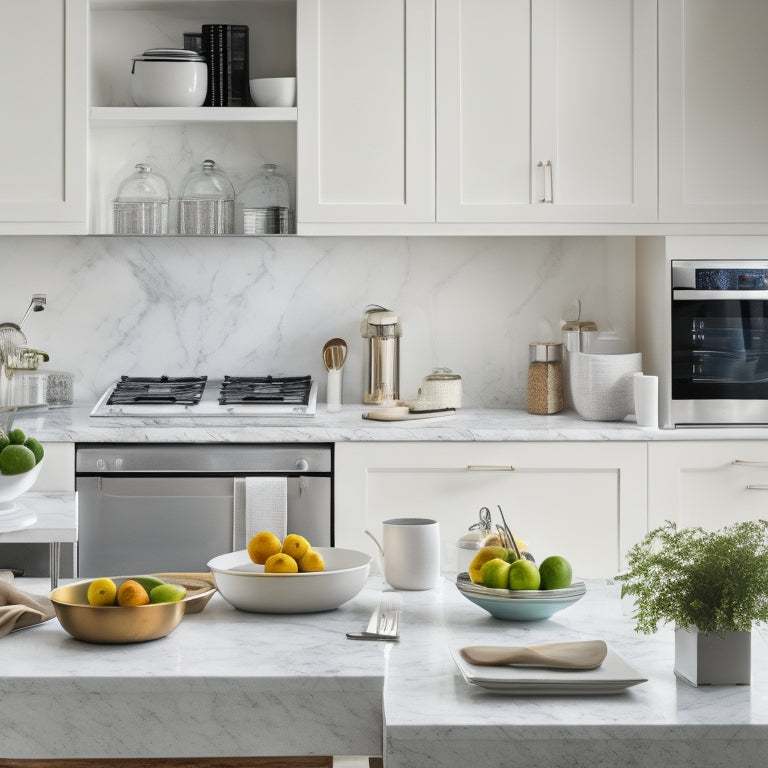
(296, 546)
(132, 593)
(281, 563)
(102, 592)
(262, 546)
(312, 562)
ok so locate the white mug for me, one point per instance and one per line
(411, 552)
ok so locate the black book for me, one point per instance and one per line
(225, 47)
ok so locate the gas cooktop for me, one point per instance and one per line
(166, 396)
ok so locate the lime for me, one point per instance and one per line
(495, 573)
(556, 572)
(35, 447)
(523, 574)
(4, 440)
(482, 557)
(167, 593)
(17, 437)
(16, 459)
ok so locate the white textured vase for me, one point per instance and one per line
(713, 659)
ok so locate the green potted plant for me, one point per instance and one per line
(711, 585)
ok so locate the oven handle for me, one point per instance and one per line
(687, 295)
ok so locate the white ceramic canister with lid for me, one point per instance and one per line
(169, 77)
(441, 388)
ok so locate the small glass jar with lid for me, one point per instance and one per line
(207, 203)
(141, 205)
(545, 377)
(264, 203)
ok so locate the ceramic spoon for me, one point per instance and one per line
(587, 654)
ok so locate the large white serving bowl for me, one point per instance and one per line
(245, 586)
(12, 486)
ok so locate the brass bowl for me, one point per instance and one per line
(113, 623)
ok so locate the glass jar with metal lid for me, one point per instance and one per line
(545, 377)
(264, 203)
(207, 203)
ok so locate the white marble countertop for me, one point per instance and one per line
(74, 424)
(227, 683)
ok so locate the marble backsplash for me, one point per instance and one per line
(184, 306)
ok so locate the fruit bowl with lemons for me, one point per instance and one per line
(21, 458)
(120, 609)
(509, 585)
(289, 575)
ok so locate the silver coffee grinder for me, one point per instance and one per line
(381, 331)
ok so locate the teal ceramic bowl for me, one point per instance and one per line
(520, 605)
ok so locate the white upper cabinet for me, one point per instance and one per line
(713, 111)
(546, 110)
(366, 122)
(43, 130)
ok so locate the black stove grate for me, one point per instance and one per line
(292, 390)
(161, 390)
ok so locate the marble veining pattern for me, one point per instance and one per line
(229, 305)
(231, 683)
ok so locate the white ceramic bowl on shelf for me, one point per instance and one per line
(273, 91)
(245, 586)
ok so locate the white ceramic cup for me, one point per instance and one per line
(646, 400)
(411, 552)
(273, 91)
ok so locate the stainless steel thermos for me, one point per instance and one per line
(381, 331)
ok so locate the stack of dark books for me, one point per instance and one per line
(225, 47)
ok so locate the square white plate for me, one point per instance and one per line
(612, 676)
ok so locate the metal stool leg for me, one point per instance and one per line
(54, 558)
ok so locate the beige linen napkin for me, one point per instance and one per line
(18, 609)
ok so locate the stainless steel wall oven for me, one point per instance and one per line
(719, 343)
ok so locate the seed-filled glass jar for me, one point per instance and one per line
(545, 377)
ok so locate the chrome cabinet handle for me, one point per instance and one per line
(759, 464)
(489, 468)
(756, 487)
(547, 171)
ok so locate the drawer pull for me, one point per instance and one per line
(756, 487)
(743, 463)
(489, 468)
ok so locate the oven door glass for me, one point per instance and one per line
(720, 349)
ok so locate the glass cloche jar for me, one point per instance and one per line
(207, 203)
(264, 203)
(141, 205)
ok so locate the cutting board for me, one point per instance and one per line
(403, 413)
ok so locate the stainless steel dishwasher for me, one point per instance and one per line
(161, 508)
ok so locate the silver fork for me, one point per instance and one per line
(384, 622)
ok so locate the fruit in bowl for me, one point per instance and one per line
(515, 588)
(120, 609)
(297, 578)
(21, 459)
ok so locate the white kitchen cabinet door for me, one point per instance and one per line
(366, 120)
(43, 130)
(546, 110)
(707, 483)
(585, 501)
(713, 111)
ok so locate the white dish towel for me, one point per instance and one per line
(261, 504)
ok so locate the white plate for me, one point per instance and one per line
(612, 676)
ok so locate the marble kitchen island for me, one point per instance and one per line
(227, 683)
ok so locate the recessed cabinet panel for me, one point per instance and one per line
(43, 126)
(366, 71)
(568, 88)
(708, 483)
(713, 110)
(586, 502)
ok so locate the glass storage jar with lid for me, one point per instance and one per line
(545, 377)
(207, 203)
(264, 203)
(141, 205)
